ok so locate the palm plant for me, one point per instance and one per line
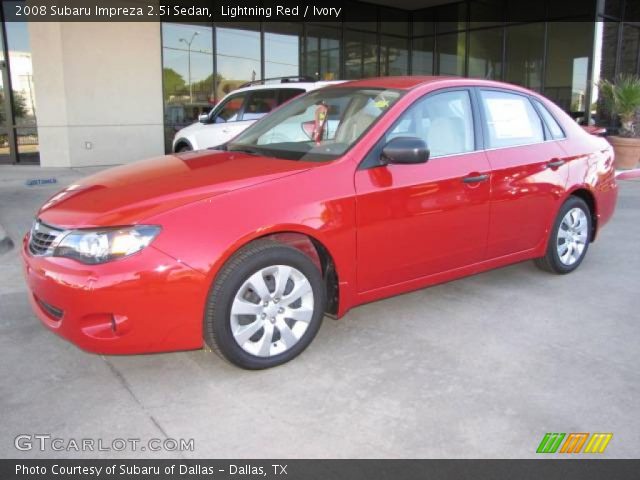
(622, 97)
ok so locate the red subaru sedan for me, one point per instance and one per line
(345, 195)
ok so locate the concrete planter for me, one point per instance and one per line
(627, 152)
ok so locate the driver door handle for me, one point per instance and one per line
(476, 178)
(555, 163)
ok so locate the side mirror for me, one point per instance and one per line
(203, 118)
(405, 150)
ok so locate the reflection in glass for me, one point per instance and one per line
(485, 54)
(282, 45)
(394, 22)
(609, 47)
(451, 52)
(356, 11)
(424, 22)
(486, 13)
(322, 60)
(361, 55)
(525, 51)
(237, 58)
(568, 53)
(629, 49)
(23, 100)
(187, 71)
(394, 56)
(451, 17)
(422, 56)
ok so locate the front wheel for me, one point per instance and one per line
(569, 238)
(265, 307)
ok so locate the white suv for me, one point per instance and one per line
(241, 108)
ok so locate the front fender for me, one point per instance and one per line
(318, 203)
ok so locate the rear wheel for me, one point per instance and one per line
(265, 307)
(569, 238)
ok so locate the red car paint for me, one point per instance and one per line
(387, 230)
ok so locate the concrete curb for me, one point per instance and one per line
(628, 174)
(5, 242)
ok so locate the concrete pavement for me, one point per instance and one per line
(476, 368)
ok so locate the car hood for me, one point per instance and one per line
(188, 130)
(128, 194)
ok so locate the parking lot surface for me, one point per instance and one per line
(481, 367)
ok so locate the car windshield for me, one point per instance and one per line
(319, 126)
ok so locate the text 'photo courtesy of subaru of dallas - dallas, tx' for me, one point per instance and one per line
(344, 195)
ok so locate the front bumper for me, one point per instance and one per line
(148, 302)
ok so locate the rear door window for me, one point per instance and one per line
(260, 103)
(287, 94)
(510, 119)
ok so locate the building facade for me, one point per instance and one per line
(83, 93)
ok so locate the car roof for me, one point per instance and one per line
(288, 85)
(411, 82)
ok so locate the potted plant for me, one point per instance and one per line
(622, 98)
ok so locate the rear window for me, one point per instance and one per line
(260, 103)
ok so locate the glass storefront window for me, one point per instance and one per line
(238, 58)
(322, 59)
(485, 53)
(394, 56)
(524, 56)
(568, 51)
(188, 79)
(282, 48)
(422, 56)
(630, 48)
(451, 17)
(394, 22)
(18, 107)
(486, 13)
(451, 53)
(355, 11)
(609, 44)
(361, 55)
(424, 23)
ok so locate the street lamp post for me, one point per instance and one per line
(188, 43)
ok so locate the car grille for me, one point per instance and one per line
(42, 237)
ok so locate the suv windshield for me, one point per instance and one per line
(319, 126)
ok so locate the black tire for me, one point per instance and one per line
(183, 148)
(551, 261)
(250, 259)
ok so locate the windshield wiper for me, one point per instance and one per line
(244, 149)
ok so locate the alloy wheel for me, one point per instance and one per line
(572, 236)
(272, 310)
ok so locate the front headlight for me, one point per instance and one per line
(104, 245)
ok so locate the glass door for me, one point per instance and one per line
(18, 125)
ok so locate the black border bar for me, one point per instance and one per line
(202, 11)
(536, 469)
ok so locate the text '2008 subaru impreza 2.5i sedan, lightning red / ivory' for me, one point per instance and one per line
(342, 196)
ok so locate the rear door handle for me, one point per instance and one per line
(476, 178)
(555, 163)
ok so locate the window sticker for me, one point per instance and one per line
(509, 118)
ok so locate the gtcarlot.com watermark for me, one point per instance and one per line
(45, 442)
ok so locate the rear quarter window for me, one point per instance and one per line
(552, 124)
